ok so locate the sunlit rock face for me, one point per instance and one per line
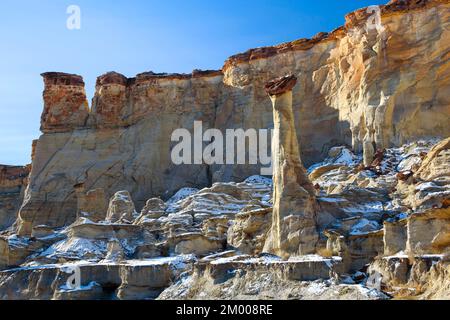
(356, 86)
(124, 145)
(210, 242)
(65, 104)
(293, 229)
(13, 182)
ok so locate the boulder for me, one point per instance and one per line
(195, 243)
(249, 230)
(121, 208)
(92, 204)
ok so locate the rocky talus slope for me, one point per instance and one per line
(358, 207)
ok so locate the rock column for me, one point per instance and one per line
(293, 230)
(65, 104)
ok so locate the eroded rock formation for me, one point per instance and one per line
(359, 86)
(371, 105)
(293, 228)
(13, 182)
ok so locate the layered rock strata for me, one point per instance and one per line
(360, 86)
(293, 229)
(364, 220)
(368, 101)
(13, 182)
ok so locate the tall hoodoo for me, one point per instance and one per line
(65, 104)
(293, 228)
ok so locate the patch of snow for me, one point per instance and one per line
(269, 259)
(122, 196)
(76, 247)
(364, 226)
(209, 202)
(266, 199)
(426, 185)
(16, 241)
(372, 293)
(402, 255)
(316, 287)
(129, 246)
(229, 259)
(182, 194)
(175, 262)
(407, 163)
(347, 158)
(87, 287)
(400, 216)
(220, 254)
(332, 200)
(262, 260)
(258, 179)
(369, 207)
(313, 258)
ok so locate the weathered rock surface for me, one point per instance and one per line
(13, 181)
(357, 86)
(105, 280)
(362, 222)
(92, 204)
(371, 105)
(293, 229)
(421, 277)
(65, 103)
(121, 208)
(266, 277)
(249, 231)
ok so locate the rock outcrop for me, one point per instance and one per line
(92, 204)
(249, 231)
(121, 208)
(266, 277)
(293, 229)
(13, 182)
(357, 86)
(424, 277)
(65, 104)
(362, 222)
(370, 113)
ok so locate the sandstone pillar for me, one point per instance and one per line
(110, 101)
(293, 228)
(368, 151)
(65, 104)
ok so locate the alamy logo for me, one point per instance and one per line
(238, 147)
(74, 19)
(74, 281)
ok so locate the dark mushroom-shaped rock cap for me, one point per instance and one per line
(280, 85)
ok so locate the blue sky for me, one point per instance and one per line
(132, 37)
